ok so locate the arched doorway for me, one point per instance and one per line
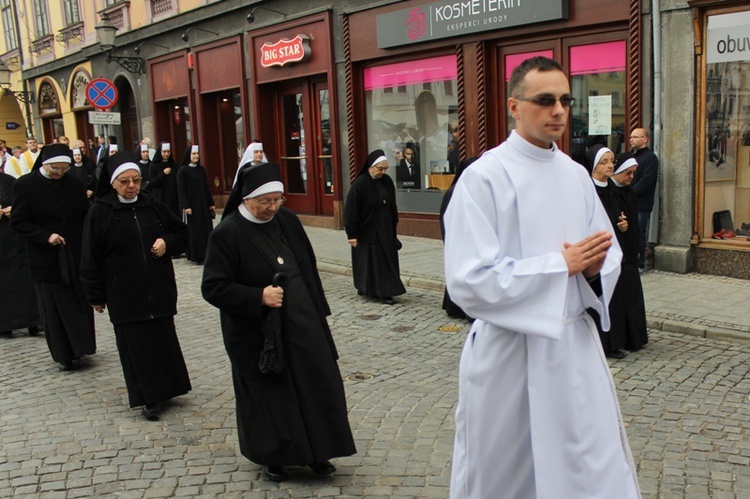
(49, 110)
(128, 108)
(81, 107)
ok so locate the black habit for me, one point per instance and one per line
(86, 173)
(627, 309)
(370, 217)
(163, 184)
(139, 290)
(194, 193)
(451, 309)
(18, 308)
(298, 416)
(42, 207)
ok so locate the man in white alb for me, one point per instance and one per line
(528, 249)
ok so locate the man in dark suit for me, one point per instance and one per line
(407, 171)
(644, 186)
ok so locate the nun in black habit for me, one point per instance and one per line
(84, 169)
(370, 219)
(196, 203)
(451, 308)
(627, 307)
(291, 411)
(600, 162)
(128, 240)
(49, 208)
(18, 308)
(163, 178)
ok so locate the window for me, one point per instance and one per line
(72, 15)
(42, 21)
(597, 80)
(413, 124)
(727, 124)
(9, 26)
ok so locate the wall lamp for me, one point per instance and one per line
(137, 48)
(26, 97)
(185, 36)
(251, 15)
(105, 33)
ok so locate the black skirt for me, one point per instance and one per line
(152, 361)
(68, 320)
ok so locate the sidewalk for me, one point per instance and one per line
(696, 304)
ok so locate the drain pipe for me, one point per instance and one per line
(653, 234)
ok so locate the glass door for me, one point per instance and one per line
(306, 147)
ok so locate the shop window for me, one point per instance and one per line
(727, 126)
(413, 125)
(597, 82)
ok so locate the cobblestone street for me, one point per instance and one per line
(684, 399)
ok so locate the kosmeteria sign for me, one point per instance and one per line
(449, 18)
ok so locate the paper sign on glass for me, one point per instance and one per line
(600, 114)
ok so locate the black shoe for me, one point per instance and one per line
(33, 330)
(323, 469)
(617, 354)
(274, 473)
(388, 300)
(151, 412)
(65, 366)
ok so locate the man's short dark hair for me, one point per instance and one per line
(112, 139)
(539, 63)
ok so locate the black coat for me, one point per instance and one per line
(644, 183)
(118, 268)
(42, 207)
(194, 194)
(164, 185)
(86, 173)
(18, 308)
(299, 415)
(363, 206)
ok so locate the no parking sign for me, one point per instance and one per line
(101, 93)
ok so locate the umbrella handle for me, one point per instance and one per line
(279, 279)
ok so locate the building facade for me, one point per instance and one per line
(323, 83)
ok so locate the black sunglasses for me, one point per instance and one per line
(549, 101)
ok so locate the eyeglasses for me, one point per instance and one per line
(58, 169)
(549, 101)
(126, 181)
(382, 168)
(265, 203)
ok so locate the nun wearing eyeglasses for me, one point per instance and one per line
(49, 207)
(261, 273)
(196, 202)
(370, 219)
(126, 269)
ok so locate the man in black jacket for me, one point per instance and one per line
(644, 186)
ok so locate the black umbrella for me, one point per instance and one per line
(272, 354)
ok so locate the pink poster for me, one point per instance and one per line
(412, 72)
(597, 58)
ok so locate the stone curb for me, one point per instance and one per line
(653, 323)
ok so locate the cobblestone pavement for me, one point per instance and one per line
(684, 399)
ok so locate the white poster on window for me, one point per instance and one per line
(727, 38)
(600, 114)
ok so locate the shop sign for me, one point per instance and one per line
(11, 125)
(285, 51)
(450, 18)
(728, 39)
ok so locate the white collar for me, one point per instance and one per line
(249, 216)
(127, 201)
(599, 182)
